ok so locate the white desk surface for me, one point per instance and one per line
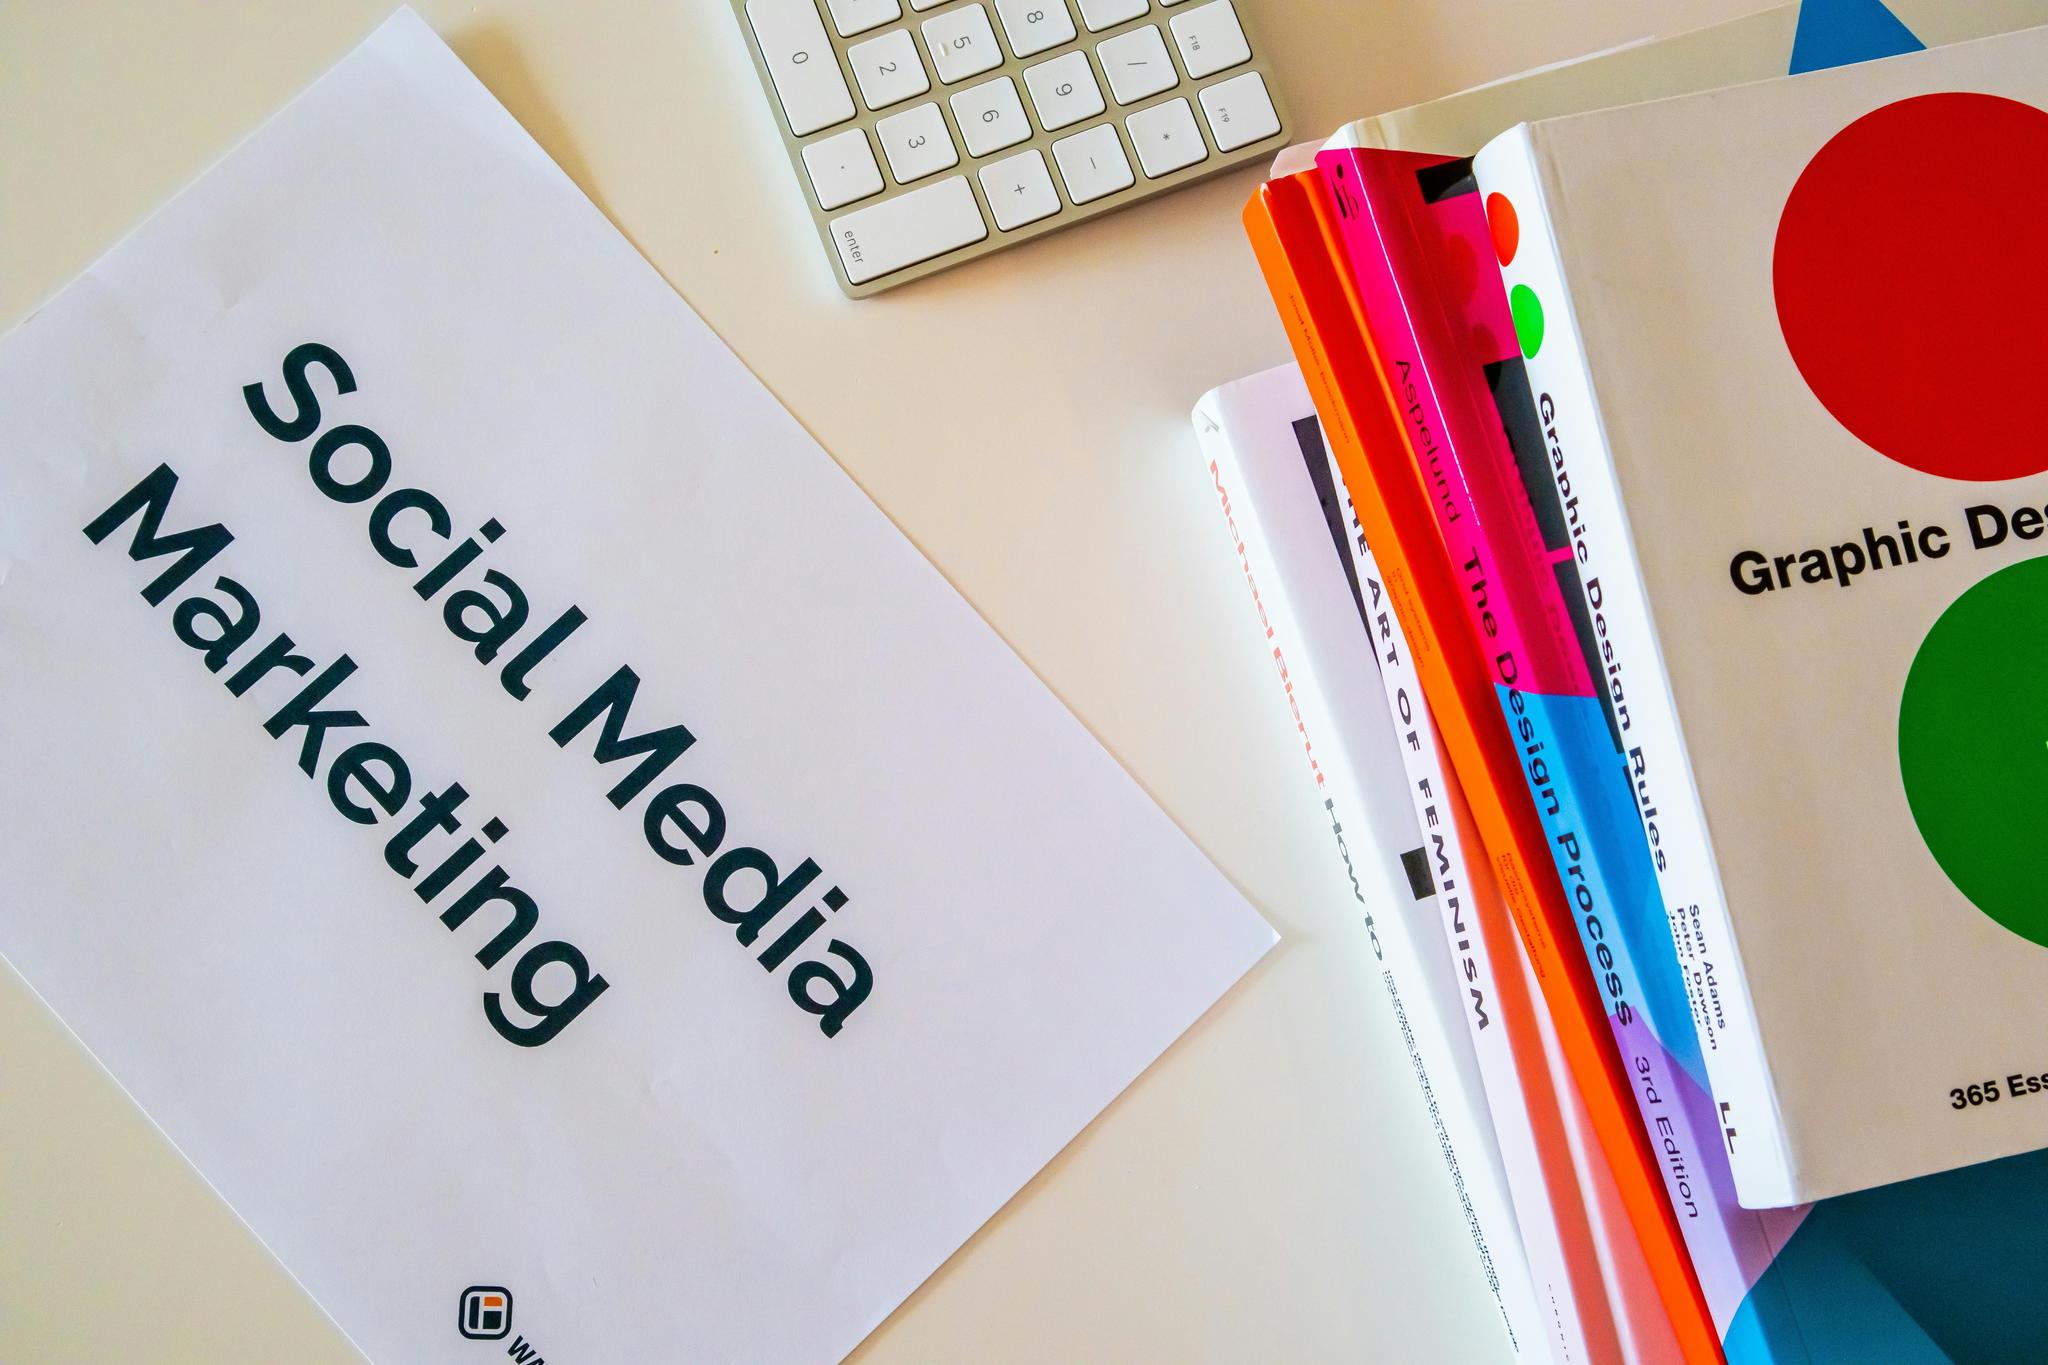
(1269, 1191)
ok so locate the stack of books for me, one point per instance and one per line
(1647, 543)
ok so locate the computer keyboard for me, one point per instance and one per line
(930, 132)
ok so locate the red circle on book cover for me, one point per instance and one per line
(1505, 225)
(1912, 282)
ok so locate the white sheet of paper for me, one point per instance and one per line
(692, 1167)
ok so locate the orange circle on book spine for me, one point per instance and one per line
(1910, 286)
(1505, 226)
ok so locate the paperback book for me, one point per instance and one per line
(1487, 934)
(1813, 570)
(1566, 1149)
(1256, 438)
(1750, 47)
(1808, 569)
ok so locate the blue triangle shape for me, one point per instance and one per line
(1842, 32)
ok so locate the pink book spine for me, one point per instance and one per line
(1461, 452)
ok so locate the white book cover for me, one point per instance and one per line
(530, 831)
(1750, 47)
(1786, 343)
(1260, 442)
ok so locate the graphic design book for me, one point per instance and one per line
(1779, 374)
(1813, 561)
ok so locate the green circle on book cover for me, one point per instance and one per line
(1973, 745)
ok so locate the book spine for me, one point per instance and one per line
(1504, 1016)
(1512, 609)
(1646, 1333)
(1463, 1134)
(1658, 774)
(1294, 251)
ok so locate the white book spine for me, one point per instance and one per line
(1439, 815)
(1633, 675)
(1411, 962)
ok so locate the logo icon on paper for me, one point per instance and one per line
(485, 1312)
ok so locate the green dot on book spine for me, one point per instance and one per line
(1527, 311)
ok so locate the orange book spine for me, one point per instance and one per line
(1297, 251)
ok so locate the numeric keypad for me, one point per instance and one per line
(930, 131)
